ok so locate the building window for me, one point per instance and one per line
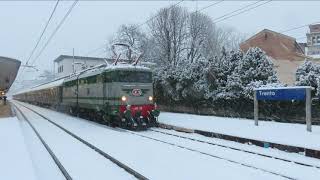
(60, 69)
(318, 39)
(313, 40)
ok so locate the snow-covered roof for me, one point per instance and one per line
(289, 87)
(62, 57)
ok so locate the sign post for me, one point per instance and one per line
(256, 109)
(308, 109)
(302, 93)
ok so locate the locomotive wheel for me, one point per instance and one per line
(106, 119)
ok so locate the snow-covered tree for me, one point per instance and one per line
(168, 31)
(228, 78)
(132, 36)
(255, 69)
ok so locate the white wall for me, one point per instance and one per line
(68, 65)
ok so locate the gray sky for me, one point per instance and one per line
(91, 23)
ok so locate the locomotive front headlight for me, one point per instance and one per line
(150, 98)
(123, 98)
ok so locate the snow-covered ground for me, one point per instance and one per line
(80, 161)
(15, 161)
(294, 157)
(282, 133)
(43, 164)
(158, 160)
(269, 164)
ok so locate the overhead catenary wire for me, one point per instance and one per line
(237, 10)
(224, 17)
(43, 31)
(241, 12)
(172, 6)
(56, 30)
(138, 26)
(298, 27)
(40, 37)
(210, 5)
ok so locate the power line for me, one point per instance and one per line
(172, 6)
(298, 27)
(236, 10)
(246, 10)
(39, 39)
(56, 30)
(224, 17)
(210, 5)
(43, 31)
(138, 26)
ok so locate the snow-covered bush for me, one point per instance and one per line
(308, 74)
(230, 77)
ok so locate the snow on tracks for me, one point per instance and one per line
(272, 162)
(15, 162)
(265, 152)
(79, 160)
(155, 159)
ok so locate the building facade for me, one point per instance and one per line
(313, 42)
(286, 54)
(66, 65)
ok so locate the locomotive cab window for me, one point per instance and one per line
(132, 76)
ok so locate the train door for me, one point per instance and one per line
(60, 93)
(107, 92)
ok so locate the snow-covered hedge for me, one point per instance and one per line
(224, 86)
(226, 79)
(229, 77)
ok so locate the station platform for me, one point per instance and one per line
(283, 136)
(14, 154)
(5, 110)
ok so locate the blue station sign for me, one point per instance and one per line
(281, 94)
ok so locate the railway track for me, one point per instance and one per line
(217, 156)
(206, 153)
(236, 149)
(53, 156)
(96, 149)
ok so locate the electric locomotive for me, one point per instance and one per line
(119, 95)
